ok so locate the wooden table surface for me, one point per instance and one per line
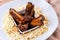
(56, 6)
(4, 1)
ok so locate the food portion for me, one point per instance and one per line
(26, 20)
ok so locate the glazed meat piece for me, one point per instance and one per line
(38, 21)
(19, 18)
(32, 12)
(23, 27)
(29, 13)
(29, 9)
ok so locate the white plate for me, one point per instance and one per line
(46, 9)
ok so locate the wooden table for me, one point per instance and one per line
(4, 1)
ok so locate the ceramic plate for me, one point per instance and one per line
(46, 8)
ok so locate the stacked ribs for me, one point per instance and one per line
(26, 20)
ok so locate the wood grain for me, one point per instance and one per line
(4, 1)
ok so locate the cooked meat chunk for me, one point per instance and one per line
(29, 13)
(37, 21)
(19, 18)
(29, 9)
(23, 27)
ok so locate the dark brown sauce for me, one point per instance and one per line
(16, 22)
(22, 12)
